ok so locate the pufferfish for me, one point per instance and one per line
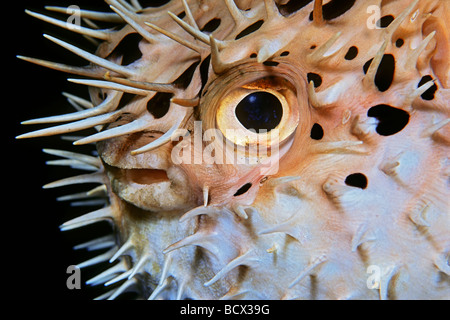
(249, 149)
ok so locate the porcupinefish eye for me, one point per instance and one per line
(259, 111)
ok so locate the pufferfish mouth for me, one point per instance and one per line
(151, 179)
(145, 176)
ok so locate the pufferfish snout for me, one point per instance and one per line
(264, 149)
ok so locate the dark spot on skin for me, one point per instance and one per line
(292, 6)
(357, 180)
(315, 78)
(101, 95)
(399, 43)
(159, 105)
(385, 72)
(384, 21)
(351, 53)
(204, 68)
(270, 63)
(185, 79)
(128, 48)
(243, 189)
(367, 65)
(211, 26)
(429, 94)
(334, 9)
(153, 3)
(390, 120)
(126, 98)
(250, 29)
(316, 132)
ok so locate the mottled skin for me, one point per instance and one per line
(303, 230)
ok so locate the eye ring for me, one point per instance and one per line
(217, 111)
(277, 104)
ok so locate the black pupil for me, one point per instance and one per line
(259, 111)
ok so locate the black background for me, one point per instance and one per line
(36, 253)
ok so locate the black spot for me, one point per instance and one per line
(384, 21)
(259, 111)
(153, 3)
(284, 54)
(316, 132)
(385, 72)
(367, 65)
(390, 120)
(315, 78)
(399, 43)
(126, 98)
(212, 25)
(351, 53)
(292, 6)
(101, 95)
(356, 180)
(250, 29)
(253, 55)
(243, 189)
(429, 94)
(334, 9)
(185, 79)
(159, 105)
(204, 69)
(128, 48)
(181, 15)
(313, 47)
(270, 63)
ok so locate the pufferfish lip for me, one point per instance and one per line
(145, 176)
(141, 176)
(149, 179)
(154, 188)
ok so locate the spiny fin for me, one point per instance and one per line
(314, 263)
(128, 245)
(244, 259)
(361, 237)
(92, 57)
(87, 219)
(126, 286)
(209, 210)
(99, 34)
(97, 244)
(108, 274)
(97, 177)
(131, 19)
(98, 259)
